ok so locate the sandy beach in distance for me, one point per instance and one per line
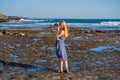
(30, 55)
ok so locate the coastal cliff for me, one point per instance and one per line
(4, 18)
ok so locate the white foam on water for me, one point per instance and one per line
(44, 23)
(110, 23)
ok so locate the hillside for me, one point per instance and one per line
(1, 15)
(4, 18)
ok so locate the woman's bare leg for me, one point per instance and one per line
(66, 66)
(61, 65)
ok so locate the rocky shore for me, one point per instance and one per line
(30, 55)
(4, 18)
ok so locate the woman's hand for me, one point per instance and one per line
(58, 28)
(58, 37)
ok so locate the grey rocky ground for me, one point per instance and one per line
(92, 55)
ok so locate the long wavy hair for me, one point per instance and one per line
(63, 24)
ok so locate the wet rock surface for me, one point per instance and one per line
(92, 55)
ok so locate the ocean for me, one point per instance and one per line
(45, 23)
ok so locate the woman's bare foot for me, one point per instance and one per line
(67, 71)
(60, 71)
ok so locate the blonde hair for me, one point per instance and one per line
(63, 23)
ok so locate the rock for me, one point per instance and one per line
(81, 63)
(56, 25)
(6, 33)
(93, 31)
(87, 31)
(21, 34)
(1, 33)
(1, 72)
(4, 18)
(83, 32)
(99, 31)
(9, 33)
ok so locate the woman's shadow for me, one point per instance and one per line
(14, 64)
(27, 66)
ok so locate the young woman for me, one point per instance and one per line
(62, 33)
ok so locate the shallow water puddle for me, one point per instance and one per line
(1, 68)
(43, 47)
(9, 46)
(81, 51)
(105, 48)
(100, 40)
(48, 48)
(78, 38)
(36, 39)
(34, 49)
(14, 57)
(27, 45)
(31, 69)
(90, 35)
(68, 45)
(78, 51)
(43, 61)
(38, 68)
(75, 66)
(99, 62)
(51, 48)
(117, 42)
(53, 55)
(18, 45)
(14, 72)
(117, 65)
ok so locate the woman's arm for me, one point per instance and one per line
(58, 29)
(59, 35)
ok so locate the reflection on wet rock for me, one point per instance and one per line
(105, 48)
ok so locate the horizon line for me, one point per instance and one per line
(67, 18)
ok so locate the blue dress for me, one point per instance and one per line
(60, 48)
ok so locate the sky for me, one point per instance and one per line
(107, 9)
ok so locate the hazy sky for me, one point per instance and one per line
(61, 8)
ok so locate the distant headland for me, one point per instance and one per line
(4, 18)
